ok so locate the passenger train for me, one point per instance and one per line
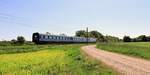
(39, 38)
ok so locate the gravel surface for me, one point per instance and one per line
(124, 64)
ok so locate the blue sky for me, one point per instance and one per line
(111, 17)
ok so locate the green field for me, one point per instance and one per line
(137, 49)
(21, 49)
(49, 60)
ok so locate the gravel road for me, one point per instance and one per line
(126, 65)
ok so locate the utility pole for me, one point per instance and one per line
(87, 35)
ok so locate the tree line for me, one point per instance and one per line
(141, 38)
(20, 40)
(95, 34)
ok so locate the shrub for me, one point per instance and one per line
(20, 40)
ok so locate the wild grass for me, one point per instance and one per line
(137, 49)
(55, 60)
(9, 49)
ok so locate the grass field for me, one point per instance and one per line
(53, 60)
(138, 49)
(21, 49)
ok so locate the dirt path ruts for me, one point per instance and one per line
(122, 63)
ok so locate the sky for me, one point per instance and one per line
(110, 17)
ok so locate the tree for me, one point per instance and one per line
(13, 41)
(143, 38)
(112, 38)
(98, 35)
(20, 40)
(126, 39)
(81, 33)
(148, 38)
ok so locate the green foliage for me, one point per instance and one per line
(112, 39)
(20, 49)
(5, 43)
(55, 60)
(81, 33)
(138, 49)
(141, 38)
(126, 39)
(13, 41)
(98, 35)
(94, 34)
(20, 40)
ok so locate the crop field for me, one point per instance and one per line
(137, 49)
(21, 49)
(49, 60)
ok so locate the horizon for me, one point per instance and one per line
(109, 17)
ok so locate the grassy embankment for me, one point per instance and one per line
(51, 60)
(137, 49)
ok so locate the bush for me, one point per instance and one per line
(20, 40)
(126, 39)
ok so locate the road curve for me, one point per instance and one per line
(122, 63)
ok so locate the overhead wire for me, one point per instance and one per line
(7, 18)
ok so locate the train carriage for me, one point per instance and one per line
(46, 38)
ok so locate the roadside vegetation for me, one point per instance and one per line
(138, 49)
(51, 60)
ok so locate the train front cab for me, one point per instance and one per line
(35, 38)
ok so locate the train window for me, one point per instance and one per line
(43, 37)
(65, 38)
(48, 37)
(53, 37)
(68, 38)
(35, 36)
(57, 37)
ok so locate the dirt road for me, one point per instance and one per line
(123, 64)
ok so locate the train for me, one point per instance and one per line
(40, 38)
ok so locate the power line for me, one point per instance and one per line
(18, 23)
(10, 16)
(10, 19)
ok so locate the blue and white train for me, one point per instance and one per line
(47, 38)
